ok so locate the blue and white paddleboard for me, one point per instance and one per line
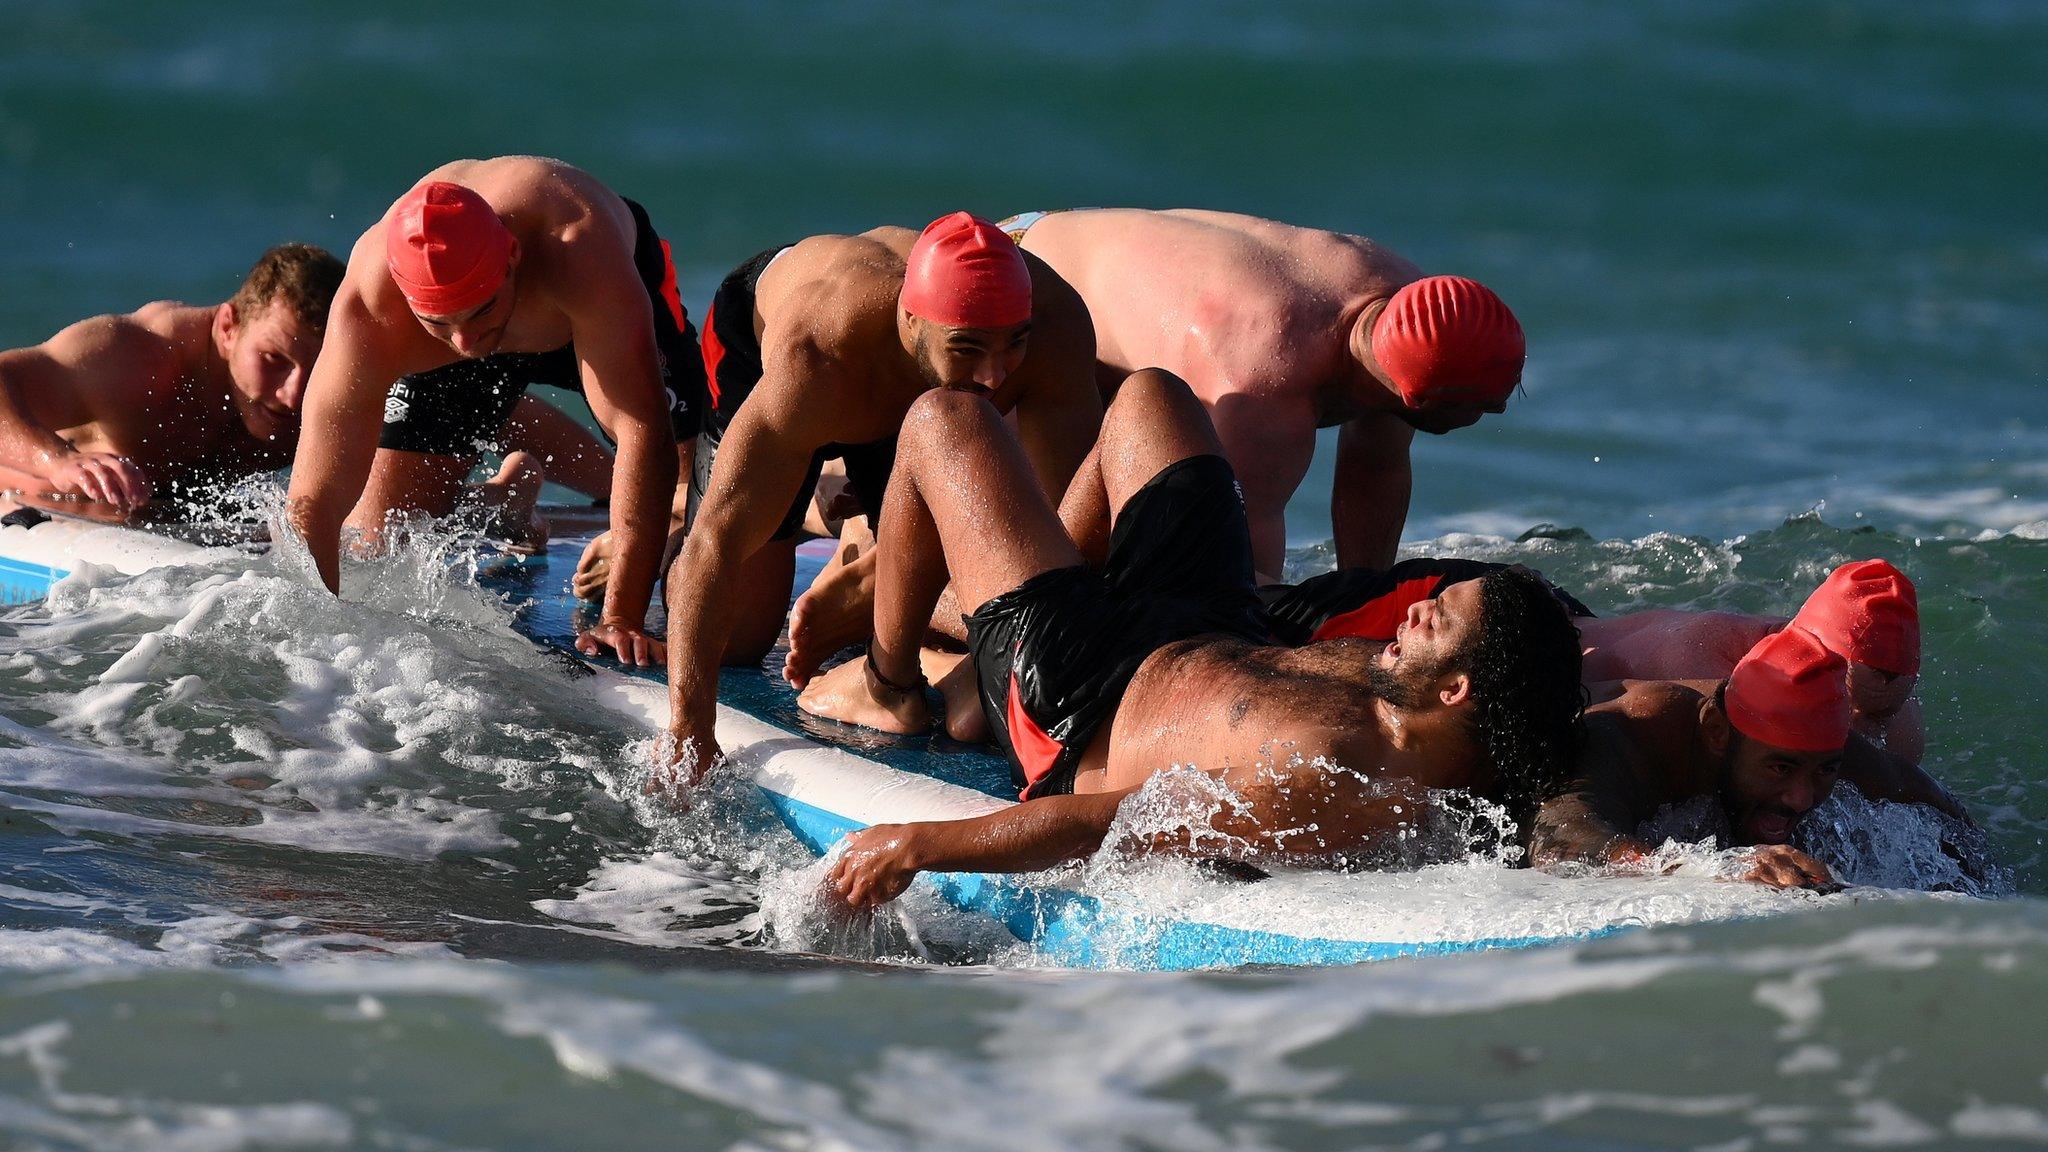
(822, 791)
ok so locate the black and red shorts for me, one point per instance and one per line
(1053, 655)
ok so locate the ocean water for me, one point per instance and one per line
(283, 871)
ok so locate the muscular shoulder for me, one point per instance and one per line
(1652, 723)
(140, 345)
(831, 289)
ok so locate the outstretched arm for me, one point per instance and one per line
(762, 461)
(1301, 814)
(613, 330)
(1369, 501)
(1591, 820)
(1583, 825)
(880, 862)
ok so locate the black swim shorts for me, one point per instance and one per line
(459, 409)
(732, 367)
(1054, 654)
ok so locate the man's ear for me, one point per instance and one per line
(512, 257)
(1454, 690)
(1715, 731)
(226, 326)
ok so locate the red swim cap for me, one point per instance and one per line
(447, 249)
(965, 272)
(1791, 692)
(1867, 612)
(1449, 339)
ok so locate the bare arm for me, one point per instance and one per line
(880, 862)
(1302, 814)
(1583, 825)
(1270, 446)
(761, 465)
(65, 381)
(1369, 501)
(613, 331)
(1589, 821)
(344, 414)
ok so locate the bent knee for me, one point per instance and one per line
(936, 417)
(1154, 389)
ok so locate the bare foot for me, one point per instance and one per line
(953, 674)
(843, 695)
(838, 610)
(513, 499)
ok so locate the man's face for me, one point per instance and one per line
(475, 332)
(1878, 694)
(1436, 634)
(968, 359)
(1767, 789)
(270, 356)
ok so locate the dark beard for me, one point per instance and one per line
(1404, 692)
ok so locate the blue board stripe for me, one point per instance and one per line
(1071, 929)
(1065, 928)
(22, 582)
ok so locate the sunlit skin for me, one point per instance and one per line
(571, 280)
(1270, 722)
(843, 362)
(1658, 743)
(1271, 325)
(113, 407)
(270, 357)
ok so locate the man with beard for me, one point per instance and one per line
(816, 351)
(1761, 749)
(1108, 649)
(115, 407)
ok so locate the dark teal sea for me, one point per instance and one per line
(332, 876)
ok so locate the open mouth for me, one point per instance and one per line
(1771, 827)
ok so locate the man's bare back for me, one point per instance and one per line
(1271, 325)
(1670, 644)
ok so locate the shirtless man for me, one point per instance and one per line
(1109, 648)
(818, 350)
(1761, 749)
(1281, 331)
(116, 408)
(487, 276)
(1866, 612)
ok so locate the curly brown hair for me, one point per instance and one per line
(301, 277)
